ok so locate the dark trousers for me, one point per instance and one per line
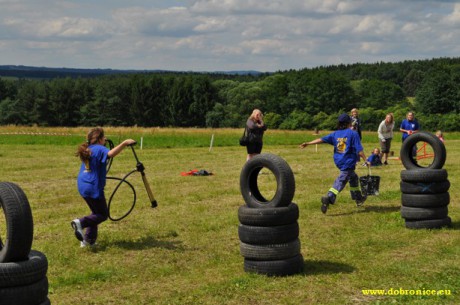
(340, 183)
(100, 213)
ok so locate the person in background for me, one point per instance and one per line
(256, 128)
(356, 122)
(91, 182)
(440, 136)
(347, 150)
(374, 158)
(408, 127)
(385, 133)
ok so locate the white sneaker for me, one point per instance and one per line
(76, 225)
(84, 244)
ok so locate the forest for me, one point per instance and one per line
(309, 98)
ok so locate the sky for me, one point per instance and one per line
(225, 35)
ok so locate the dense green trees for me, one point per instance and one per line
(303, 99)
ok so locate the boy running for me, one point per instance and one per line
(347, 148)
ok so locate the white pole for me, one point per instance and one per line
(212, 141)
(142, 141)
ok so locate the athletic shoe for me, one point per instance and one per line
(360, 202)
(84, 244)
(76, 225)
(325, 201)
(385, 163)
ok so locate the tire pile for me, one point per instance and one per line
(268, 229)
(425, 195)
(23, 279)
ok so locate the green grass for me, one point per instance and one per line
(186, 251)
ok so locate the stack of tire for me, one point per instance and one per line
(23, 279)
(425, 195)
(268, 229)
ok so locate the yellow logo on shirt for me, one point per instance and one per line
(341, 145)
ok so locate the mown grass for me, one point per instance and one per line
(186, 251)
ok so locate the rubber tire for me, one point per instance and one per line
(424, 187)
(268, 235)
(439, 150)
(19, 224)
(46, 302)
(31, 294)
(284, 179)
(24, 272)
(425, 200)
(423, 213)
(268, 216)
(424, 175)
(282, 267)
(270, 252)
(429, 224)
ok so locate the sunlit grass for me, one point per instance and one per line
(186, 251)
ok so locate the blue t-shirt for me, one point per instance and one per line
(374, 160)
(347, 145)
(409, 125)
(91, 179)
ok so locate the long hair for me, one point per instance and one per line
(93, 136)
(254, 113)
(391, 116)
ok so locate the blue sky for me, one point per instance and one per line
(224, 35)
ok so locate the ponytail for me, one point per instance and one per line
(93, 136)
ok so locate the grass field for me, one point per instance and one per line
(186, 251)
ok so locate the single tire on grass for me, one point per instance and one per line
(268, 216)
(439, 150)
(15, 246)
(24, 272)
(429, 224)
(32, 294)
(423, 213)
(283, 267)
(425, 200)
(424, 187)
(268, 235)
(424, 175)
(284, 179)
(270, 252)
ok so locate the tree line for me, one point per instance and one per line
(309, 98)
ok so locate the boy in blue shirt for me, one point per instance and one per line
(408, 127)
(347, 148)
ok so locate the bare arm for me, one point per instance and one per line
(316, 141)
(117, 149)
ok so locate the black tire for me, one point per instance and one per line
(284, 179)
(46, 302)
(423, 213)
(429, 224)
(439, 150)
(270, 252)
(268, 235)
(424, 187)
(24, 272)
(282, 267)
(19, 224)
(424, 175)
(425, 200)
(31, 294)
(268, 216)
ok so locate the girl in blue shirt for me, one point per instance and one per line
(91, 182)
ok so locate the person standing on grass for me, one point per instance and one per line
(91, 182)
(385, 132)
(408, 127)
(256, 129)
(356, 122)
(347, 150)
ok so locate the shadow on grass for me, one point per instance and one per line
(367, 209)
(325, 267)
(146, 242)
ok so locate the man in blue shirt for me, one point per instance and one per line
(347, 150)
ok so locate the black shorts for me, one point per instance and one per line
(254, 148)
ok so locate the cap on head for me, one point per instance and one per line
(344, 118)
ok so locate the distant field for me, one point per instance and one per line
(187, 250)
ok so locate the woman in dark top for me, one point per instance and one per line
(256, 128)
